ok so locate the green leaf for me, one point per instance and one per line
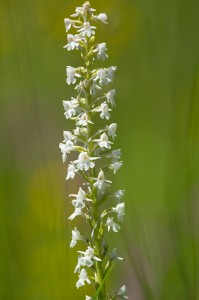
(101, 285)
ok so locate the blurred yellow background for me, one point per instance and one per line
(155, 46)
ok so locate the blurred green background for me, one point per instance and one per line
(155, 45)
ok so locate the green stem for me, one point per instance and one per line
(99, 267)
(97, 240)
(100, 273)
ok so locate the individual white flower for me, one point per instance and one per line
(78, 12)
(102, 17)
(68, 136)
(65, 149)
(104, 109)
(111, 72)
(119, 194)
(75, 237)
(103, 141)
(122, 292)
(72, 42)
(71, 172)
(83, 276)
(70, 108)
(77, 131)
(116, 166)
(83, 261)
(77, 212)
(110, 97)
(80, 87)
(88, 298)
(119, 209)
(84, 162)
(115, 155)
(94, 89)
(112, 130)
(79, 202)
(87, 29)
(101, 48)
(86, 259)
(71, 73)
(68, 23)
(80, 131)
(81, 194)
(103, 77)
(112, 225)
(84, 120)
(69, 146)
(101, 182)
(90, 253)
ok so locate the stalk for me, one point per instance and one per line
(97, 241)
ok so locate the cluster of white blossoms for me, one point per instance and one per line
(94, 156)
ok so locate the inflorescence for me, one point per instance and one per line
(101, 208)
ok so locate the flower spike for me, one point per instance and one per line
(94, 156)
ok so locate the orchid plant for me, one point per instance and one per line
(95, 202)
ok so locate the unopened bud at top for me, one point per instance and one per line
(86, 5)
